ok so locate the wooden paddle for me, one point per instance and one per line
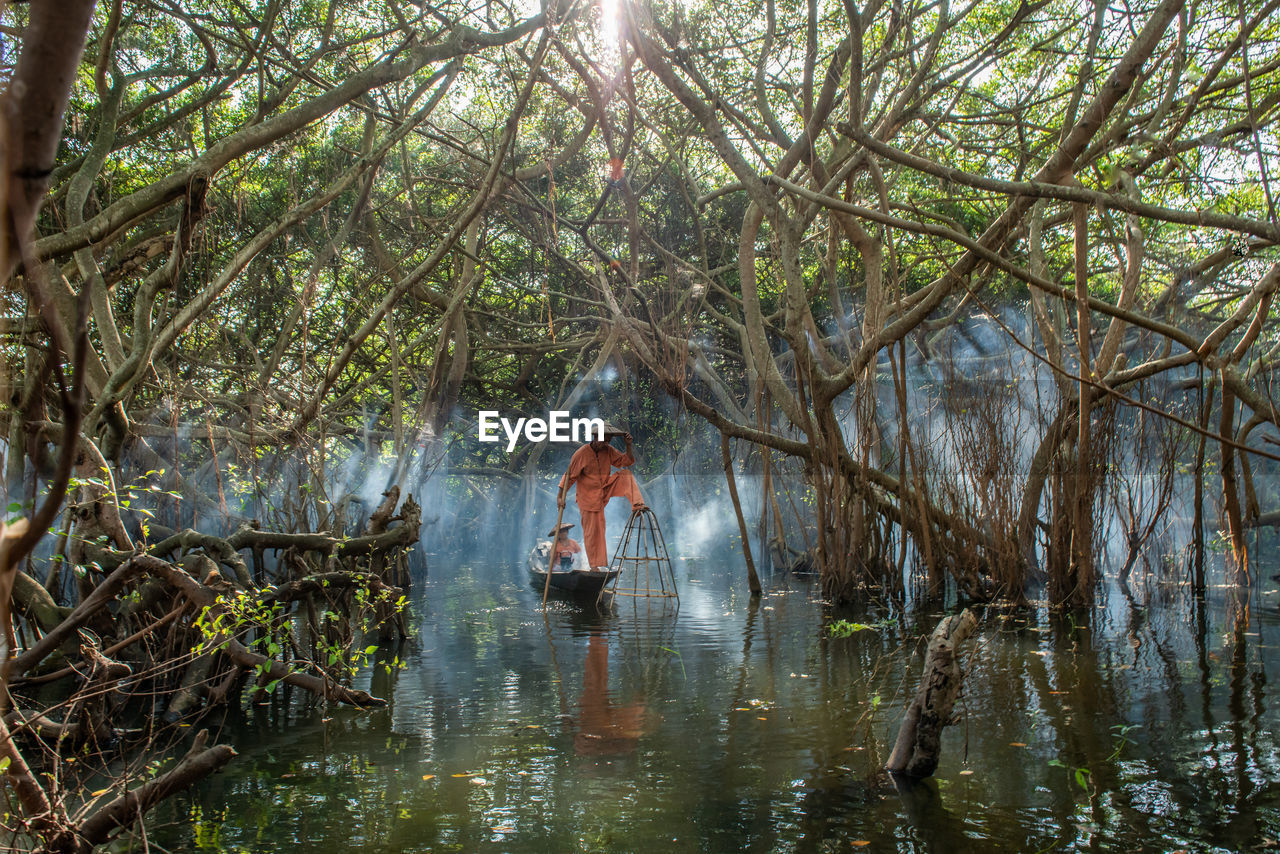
(551, 560)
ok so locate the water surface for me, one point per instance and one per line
(732, 725)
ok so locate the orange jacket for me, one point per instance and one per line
(567, 547)
(590, 470)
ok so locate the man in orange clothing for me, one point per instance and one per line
(591, 468)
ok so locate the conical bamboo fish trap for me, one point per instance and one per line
(643, 560)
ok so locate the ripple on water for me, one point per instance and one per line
(732, 724)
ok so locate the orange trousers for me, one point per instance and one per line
(620, 484)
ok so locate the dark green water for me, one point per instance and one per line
(732, 726)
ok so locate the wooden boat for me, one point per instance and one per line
(579, 582)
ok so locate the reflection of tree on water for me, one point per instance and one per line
(605, 728)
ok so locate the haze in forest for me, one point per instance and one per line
(943, 305)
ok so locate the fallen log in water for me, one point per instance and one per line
(915, 753)
(121, 812)
(226, 550)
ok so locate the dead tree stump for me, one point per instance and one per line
(915, 753)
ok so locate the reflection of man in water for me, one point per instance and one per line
(591, 468)
(604, 729)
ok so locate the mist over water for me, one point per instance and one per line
(723, 724)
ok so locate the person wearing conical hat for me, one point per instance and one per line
(592, 470)
(564, 547)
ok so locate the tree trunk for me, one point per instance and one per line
(1230, 491)
(753, 580)
(919, 743)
